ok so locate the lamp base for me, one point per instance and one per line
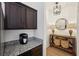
(70, 32)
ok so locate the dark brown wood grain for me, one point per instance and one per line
(19, 16)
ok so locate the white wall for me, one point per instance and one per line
(68, 11)
(78, 31)
(14, 34)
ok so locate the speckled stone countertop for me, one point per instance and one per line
(14, 48)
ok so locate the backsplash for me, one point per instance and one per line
(10, 35)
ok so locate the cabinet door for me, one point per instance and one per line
(37, 51)
(31, 18)
(15, 16)
(22, 16)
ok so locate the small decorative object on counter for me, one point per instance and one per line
(23, 38)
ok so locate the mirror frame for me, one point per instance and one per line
(59, 26)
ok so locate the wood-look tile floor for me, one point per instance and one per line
(51, 51)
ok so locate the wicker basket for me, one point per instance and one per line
(57, 42)
(65, 43)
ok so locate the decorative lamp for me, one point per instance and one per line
(71, 26)
(52, 28)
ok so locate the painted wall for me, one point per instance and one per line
(68, 11)
(10, 35)
(14, 34)
(78, 31)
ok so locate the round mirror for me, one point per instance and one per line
(61, 24)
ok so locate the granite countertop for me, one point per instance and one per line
(14, 48)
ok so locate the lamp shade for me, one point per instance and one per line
(52, 26)
(72, 26)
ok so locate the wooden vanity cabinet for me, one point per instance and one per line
(19, 16)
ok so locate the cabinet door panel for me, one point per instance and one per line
(21, 16)
(15, 16)
(31, 18)
(11, 15)
(37, 51)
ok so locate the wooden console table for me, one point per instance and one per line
(70, 41)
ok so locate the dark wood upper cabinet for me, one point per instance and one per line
(19, 16)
